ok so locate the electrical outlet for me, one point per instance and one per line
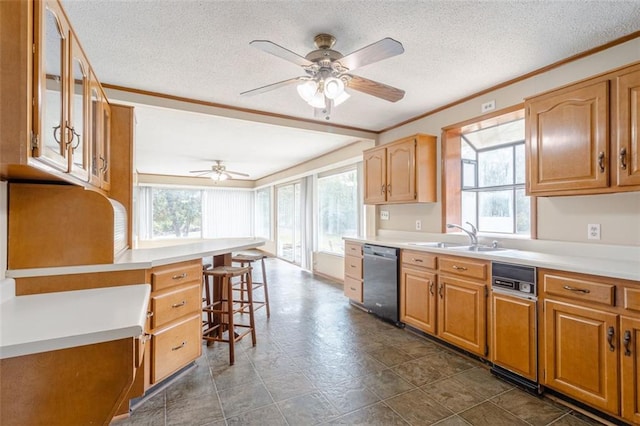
(418, 225)
(384, 214)
(593, 231)
(488, 106)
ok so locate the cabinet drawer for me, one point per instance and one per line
(353, 289)
(419, 258)
(170, 275)
(471, 268)
(175, 303)
(632, 299)
(579, 288)
(175, 346)
(352, 249)
(353, 266)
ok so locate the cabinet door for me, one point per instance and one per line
(513, 334)
(418, 299)
(630, 368)
(628, 128)
(581, 354)
(105, 151)
(375, 175)
(568, 139)
(95, 114)
(401, 171)
(462, 318)
(50, 122)
(78, 111)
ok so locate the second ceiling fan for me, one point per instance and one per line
(328, 72)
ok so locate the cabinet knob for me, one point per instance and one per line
(149, 314)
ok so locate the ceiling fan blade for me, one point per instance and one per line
(281, 52)
(237, 173)
(202, 174)
(270, 87)
(373, 88)
(383, 49)
(200, 171)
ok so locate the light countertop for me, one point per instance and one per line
(608, 262)
(149, 257)
(51, 321)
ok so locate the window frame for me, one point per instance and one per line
(451, 182)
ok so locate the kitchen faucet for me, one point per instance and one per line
(473, 234)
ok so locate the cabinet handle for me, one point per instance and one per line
(56, 138)
(149, 314)
(177, 305)
(180, 346)
(610, 334)
(389, 189)
(416, 260)
(459, 268)
(623, 158)
(179, 277)
(352, 288)
(601, 161)
(73, 135)
(577, 290)
(441, 290)
(383, 188)
(627, 342)
(431, 288)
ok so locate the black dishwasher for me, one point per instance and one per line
(380, 287)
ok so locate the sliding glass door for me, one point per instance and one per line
(289, 223)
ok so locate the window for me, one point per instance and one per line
(484, 174)
(337, 209)
(263, 213)
(177, 213)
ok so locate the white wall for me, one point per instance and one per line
(559, 218)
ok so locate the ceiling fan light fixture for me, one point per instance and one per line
(219, 176)
(307, 90)
(333, 87)
(317, 101)
(341, 98)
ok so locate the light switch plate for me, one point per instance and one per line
(593, 231)
(384, 214)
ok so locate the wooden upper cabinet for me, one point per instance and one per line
(403, 171)
(569, 139)
(375, 176)
(583, 138)
(78, 113)
(627, 126)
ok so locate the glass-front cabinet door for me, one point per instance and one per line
(50, 124)
(95, 119)
(78, 105)
(106, 145)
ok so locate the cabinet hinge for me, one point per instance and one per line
(34, 141)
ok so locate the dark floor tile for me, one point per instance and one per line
(245, 398)
(374, 415)
(288, 385)
(576, 419)
(453, 394)
(488, 414)
(386, 384)
(269, 415)
(236, 375)
(194, 384)
(349, 396)
(390, 356)
(420, 371)
(194, 411)
(535, 411)
(483, 382)
(418, 408)
(453, 421)
(307, 409)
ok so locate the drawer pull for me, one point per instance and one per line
(180, 346)
(459, 268)
(577, 290)
(431, 288)
(179, 277)
(352, 288)
(177, 305)
(353, 266)
(610, 334)
(149, 314)
(416, 260)
(627, 341)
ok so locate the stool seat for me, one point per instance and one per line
(247, 258)
(220, 306)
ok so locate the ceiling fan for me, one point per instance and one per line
(218, 172)
(328, 72)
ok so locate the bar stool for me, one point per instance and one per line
(247, 259)
(207, 297)
(223, 307)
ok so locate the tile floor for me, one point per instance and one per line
(320, 361)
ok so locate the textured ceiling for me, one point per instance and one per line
(200, 50)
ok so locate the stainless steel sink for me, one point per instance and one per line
(478, 248)
(438, 244)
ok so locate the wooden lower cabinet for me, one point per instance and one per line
(581, 353)
(513, 334)
(175, 346)
(630, 368)
(418, 299)
(353, 288)
(462, 313)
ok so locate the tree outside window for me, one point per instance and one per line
(177, 213)
(337, 210)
